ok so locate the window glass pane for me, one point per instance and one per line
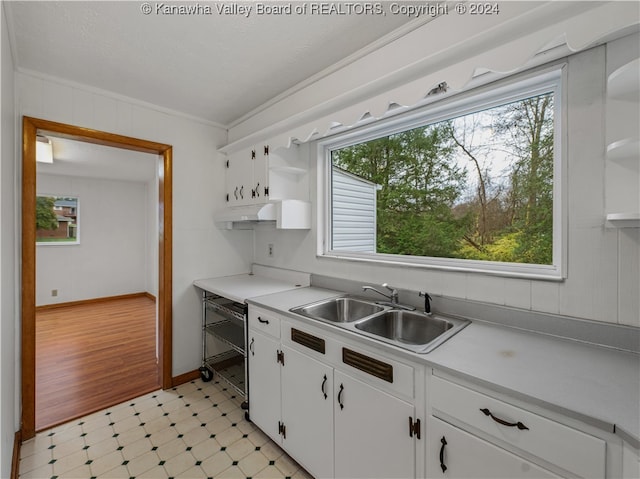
(57, 220)
(478, 186)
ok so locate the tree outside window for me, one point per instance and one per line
(478, 186)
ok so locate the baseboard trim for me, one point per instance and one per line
(150, 296)
(185, 378)
(15, 460)
(95, 300)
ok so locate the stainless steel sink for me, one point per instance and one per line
(406, 326)
(412, 330)
(339, 310)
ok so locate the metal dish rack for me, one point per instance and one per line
(225, 320)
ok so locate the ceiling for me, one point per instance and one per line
(79, 158)
(217, 67)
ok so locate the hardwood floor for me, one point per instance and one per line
(93, 355)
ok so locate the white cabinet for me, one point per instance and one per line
(454, 453)
(290, 396)
(630, 462)
(309, 392)
(307, 411)
(371, 436)
(516, 438)
(264, 383)
(259, 175)
(246, 177)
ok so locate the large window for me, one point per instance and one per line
(471, 183)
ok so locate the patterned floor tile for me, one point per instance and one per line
(197, 430)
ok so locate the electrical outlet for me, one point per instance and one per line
(54, 292)
(270, 250)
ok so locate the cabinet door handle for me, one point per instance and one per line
(442, 465)
(258, 189)
(324, 382)
(340, 396)
(518, 424)
(253, 340)
(263, 321)
(235, 193)
(241, 192)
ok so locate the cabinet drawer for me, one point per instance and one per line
(379, 371)
(265, 321)
(551, 441)
(457, 454)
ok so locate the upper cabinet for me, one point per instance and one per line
(277, 178)
(622, 134)
(246, 177)
(259, 175)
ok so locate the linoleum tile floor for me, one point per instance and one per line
(196, 430)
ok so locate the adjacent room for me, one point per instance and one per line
(96, 278)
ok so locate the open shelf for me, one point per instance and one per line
(623, 150)
(624, 220)
(229, 332)
(290, 170)
(624, 83)
(229, 367)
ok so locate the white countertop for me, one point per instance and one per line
(262, 281)
(597, 385)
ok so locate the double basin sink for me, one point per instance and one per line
(412, 330)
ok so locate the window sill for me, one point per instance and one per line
(506, 270)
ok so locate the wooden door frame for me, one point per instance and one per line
(30, 128)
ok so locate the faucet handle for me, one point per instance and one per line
(386, 285)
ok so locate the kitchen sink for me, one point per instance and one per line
(339, 310)
(406, 326)
(413, 330)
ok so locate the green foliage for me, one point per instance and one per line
(45, 217)
(425, 206)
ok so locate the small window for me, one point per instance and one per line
(57, 220)
(471, 183)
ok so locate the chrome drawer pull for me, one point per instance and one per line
(518, 424)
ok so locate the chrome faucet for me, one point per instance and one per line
(393, 297)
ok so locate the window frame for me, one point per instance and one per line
(518, 87)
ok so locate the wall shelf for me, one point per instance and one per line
(624, 220)
(290, 170)
(625, 149)
(624, 83)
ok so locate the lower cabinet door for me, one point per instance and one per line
(307, 412)
(454, 453)
(264, 391)
(371, 432)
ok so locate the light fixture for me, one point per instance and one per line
(44, 149)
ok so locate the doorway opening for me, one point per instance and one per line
(33, 127)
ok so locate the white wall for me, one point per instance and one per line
(113, 256)
(9, 421)
(200, 249)
(599, 273)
